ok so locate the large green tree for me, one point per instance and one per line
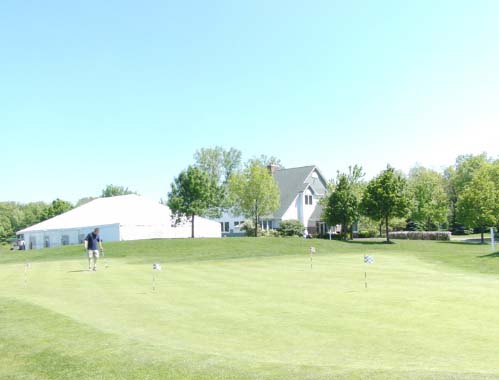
(219, 164)
(266, 161)
(385, 197)
(114, 190)
(429, 201)
(192, 193)
(478, 204)
(57, 207)
(84, 200)
(343, 202)
(458, 177)
(254, 192)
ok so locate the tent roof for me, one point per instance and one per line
(125, 210)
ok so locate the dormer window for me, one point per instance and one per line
(308, 199)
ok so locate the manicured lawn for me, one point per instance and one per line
(252, 309)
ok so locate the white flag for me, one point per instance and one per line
(368, 259)
(156, 266)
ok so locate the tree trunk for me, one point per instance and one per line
(381, 228)
(192, 226)
(481, 235)
(387, 233)
(256, 218)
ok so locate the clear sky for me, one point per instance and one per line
(124, 92)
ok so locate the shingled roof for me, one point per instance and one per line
(291, 182)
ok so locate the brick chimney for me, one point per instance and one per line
(272, 168)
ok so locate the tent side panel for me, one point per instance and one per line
(141, 232)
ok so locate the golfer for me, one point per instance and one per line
(92, 244)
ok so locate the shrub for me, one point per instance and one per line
(291, 228)
(421, 235)
(363, 234)
(269, 233)
(249, 227)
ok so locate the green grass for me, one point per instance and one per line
(252, 309)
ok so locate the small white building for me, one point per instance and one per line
(127, 217)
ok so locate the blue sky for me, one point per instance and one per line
(122, 92)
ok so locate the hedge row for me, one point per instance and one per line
(420, 235)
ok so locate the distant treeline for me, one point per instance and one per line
(463, 198)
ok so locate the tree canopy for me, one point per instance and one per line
(342, 203)
(385, 197)
(114, 190)
(478, 204)
(254, 192)
(192, 193)
(429, 202)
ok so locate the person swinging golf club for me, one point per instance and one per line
(92, 244)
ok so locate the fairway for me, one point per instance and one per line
(252, 309)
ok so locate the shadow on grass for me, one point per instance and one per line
(367, 242)
(461, 242)
(489, 256)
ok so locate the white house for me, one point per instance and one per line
(127, 217)
(300, 192)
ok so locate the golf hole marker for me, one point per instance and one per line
(368, 260)
(27, 266)
(155, 267)
(312, 251)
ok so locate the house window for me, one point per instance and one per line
(222, 226)
(236, 223)
(226, 227)
(308, 199)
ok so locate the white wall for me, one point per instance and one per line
(203, 228)
(109, 232)
(308, 210)
(232, 219)
(292, 212)
(135, 232)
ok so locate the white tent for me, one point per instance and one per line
(127, 217)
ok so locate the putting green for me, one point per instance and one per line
(263, 316)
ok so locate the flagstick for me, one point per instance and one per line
(311, 261)
(25, 275)
(153, 282)
(365, 279)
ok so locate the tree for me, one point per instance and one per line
(33, 212)
(458, 177)
(113, 191)
(218, 164)
(385, 197)
(478, 205)
(254, 192)
(192, 193)
(342, 204)
(266, 161)
(57, 207)
(84, 200)
(429, 201)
